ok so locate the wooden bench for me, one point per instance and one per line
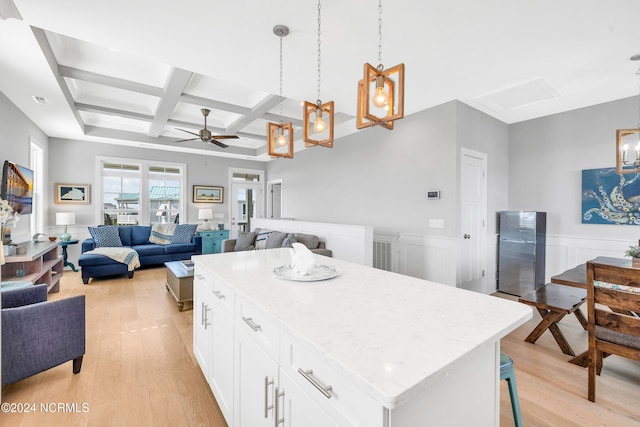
(553, 302)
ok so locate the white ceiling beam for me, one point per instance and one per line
(101, 79)
(174, 87)
(113, 112)
(256, 112)
(45, 47)
(214, 105)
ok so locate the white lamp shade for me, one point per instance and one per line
(205, 214)
(65, 218)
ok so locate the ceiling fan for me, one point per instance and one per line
(205, 134)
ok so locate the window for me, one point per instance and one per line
(141, 191)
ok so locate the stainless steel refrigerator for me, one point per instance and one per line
(521, 251)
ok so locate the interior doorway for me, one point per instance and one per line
(274, 199)
(473, 220)
(246, 199)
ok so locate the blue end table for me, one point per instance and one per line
(64, 245)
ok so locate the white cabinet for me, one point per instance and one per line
(202, 320)
(296, 409)
(256, 380)
(221, 373)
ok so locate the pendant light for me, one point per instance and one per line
(318, 117)
(280, 135)
(380, 92)
(626, 137)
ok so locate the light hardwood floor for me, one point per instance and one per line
(139, 369)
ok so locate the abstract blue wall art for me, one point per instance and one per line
(610, 198)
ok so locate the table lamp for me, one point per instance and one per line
(65, 218)
(206, 215)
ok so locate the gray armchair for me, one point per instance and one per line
(38, 335)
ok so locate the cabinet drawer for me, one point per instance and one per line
(224, 296)
(258, 325)
(327, 386)
(202, 279)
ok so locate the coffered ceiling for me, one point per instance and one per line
(134, 72)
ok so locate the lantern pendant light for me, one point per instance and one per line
(280, 135)
(625, 137)
(318, 117)
(380, 92)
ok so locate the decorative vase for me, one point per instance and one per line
(6, 235)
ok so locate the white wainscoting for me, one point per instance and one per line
(564, 252)
(352, 243)
(429, 258)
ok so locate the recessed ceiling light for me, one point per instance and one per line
(40, 99)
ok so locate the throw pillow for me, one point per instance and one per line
(245, 241)
(289, 241)
(309, 240)
(275, 239)
(261, 239)
(106, 236)
(184, 233)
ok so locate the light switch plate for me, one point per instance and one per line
(436, 223)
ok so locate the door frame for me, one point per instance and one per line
(255, 185)
(466, 152)
(269, 197)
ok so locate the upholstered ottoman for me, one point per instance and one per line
(100, 265)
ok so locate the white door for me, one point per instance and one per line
(246, 204)
(473, 194)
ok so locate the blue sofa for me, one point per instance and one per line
(136, 237)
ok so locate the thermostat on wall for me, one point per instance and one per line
(433, 194)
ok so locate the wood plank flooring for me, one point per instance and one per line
(139, 369)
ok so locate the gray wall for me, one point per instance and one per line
(379, 177)
(16, 131)
(201, 170)
(546, 159)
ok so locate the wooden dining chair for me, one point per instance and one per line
(613, 299)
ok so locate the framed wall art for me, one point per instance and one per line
(207, 194)
(610, 198)
(73, 194)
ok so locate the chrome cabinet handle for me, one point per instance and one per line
(200, 276)
(206, 317)
(202, 315)
(267, 383)
(253, 325)
(276, 419)
(219, 294)
(308, 375)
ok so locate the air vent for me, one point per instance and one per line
(40, 99)
(519, 95)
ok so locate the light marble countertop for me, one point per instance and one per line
(390, 334)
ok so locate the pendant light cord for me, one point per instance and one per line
(319, 22)
(380, 34)
(281, 98)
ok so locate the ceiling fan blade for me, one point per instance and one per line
(226, 137)
(188, 131)
(190, 139)
(218, 143)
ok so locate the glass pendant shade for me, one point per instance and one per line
(277, 134)
(380, 96)
(318, 124)
(628, 151)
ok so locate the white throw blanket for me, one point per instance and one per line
(161, 234)
(123, 255)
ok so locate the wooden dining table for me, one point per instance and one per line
(577, 277)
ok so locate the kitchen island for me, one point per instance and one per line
(365, 348)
